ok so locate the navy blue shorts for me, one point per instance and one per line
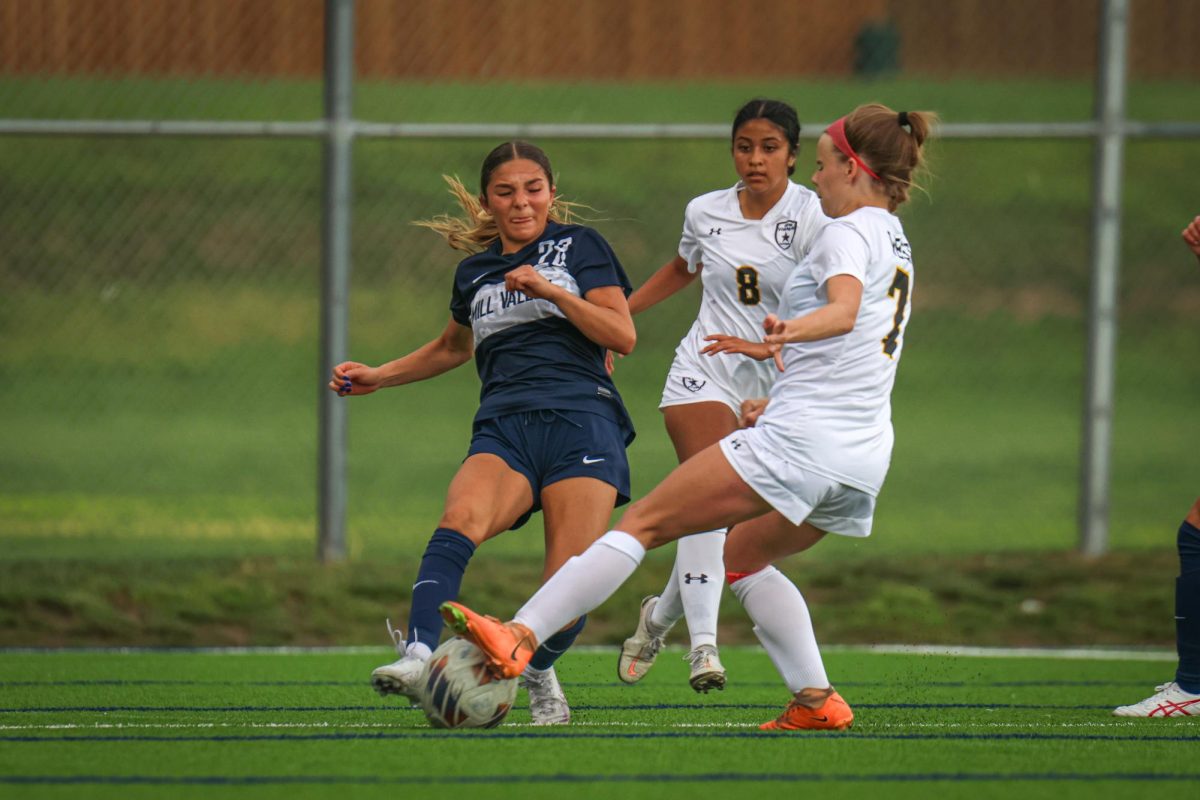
(550, 446)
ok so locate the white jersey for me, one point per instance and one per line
(744, 264)
(830, 410)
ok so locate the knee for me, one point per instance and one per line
(642, 523)
(467, 521)
(1188, 543)
(740, 559)
(1193, 516)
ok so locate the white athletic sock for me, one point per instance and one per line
(583, 583)
(783, 625)
(699, 574)
(669, 608)
(418, 650)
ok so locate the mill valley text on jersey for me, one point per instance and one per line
(529, 356)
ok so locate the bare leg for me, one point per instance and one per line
(701, 494)
(485, 498)
(576, 513)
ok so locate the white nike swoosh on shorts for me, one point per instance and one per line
(587, 460)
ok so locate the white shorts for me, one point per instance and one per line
(690, 380)
(799, 494)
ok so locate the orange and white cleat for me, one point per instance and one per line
(509, 646)
(813, 710)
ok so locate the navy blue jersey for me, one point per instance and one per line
(529, 356)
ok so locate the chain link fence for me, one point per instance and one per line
(159, 294)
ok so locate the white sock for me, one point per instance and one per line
(669, 608)
(583, 583)
(699, 574)
(783, 625)
(418, 650)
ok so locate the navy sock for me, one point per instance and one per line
(556, 645)
(438, 580)
(1187, 609)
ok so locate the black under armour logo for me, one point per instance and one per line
(737, 443)
(689, 577)
(714, 231)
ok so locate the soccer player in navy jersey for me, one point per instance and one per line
(1181, 697)
(538, 302)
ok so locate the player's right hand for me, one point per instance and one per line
(752, 409)
(1191, 236)
(775, 328)
(351, 377)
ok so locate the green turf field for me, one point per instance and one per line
(259, 725)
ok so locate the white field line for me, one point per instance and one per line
(1074, 653)
(236, 726)
(1068, 653)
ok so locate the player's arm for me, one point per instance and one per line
(1191, 236)
(452, 349)
(835, 318)
(670, 278)
(601, 315)
(732, 345)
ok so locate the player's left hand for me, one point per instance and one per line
(722, 343)
(530, 282)
(610, 361)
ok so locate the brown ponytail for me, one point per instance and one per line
(892, 143)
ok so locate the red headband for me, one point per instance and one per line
(837, 132)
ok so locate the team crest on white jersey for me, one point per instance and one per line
(785, 233)
(901, 247)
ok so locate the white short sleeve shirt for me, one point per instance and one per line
(830, 410)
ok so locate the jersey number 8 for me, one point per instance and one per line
(747, 281)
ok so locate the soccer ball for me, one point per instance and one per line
(458, 691)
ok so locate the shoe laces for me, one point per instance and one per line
(397, 637)
(700, 656)
(650, 649)
(541, 686)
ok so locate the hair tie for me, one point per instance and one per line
(902, 118)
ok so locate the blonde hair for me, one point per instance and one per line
(477, 229)
(878, 134)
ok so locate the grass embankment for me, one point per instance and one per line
(1007, 599)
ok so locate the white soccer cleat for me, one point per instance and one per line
(640, 650)
(707, 671)
(547, 703)
(1168, 700)
(402, 676)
